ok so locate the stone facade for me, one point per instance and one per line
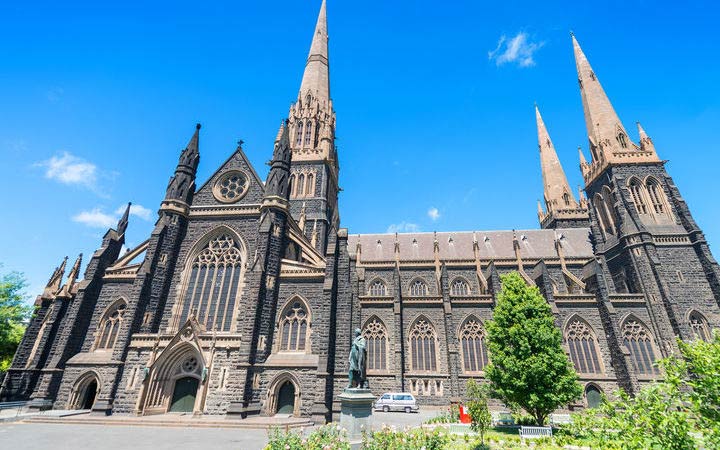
(243, 298)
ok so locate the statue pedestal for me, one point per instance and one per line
(356, 413)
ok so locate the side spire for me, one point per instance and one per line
(67, 289)
(55, 281)
(123, 222)
(646, 144)
(558, 194)
(181, 187)
(316, 78)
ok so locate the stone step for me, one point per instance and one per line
(254, 423)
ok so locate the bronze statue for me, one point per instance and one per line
(357, 376)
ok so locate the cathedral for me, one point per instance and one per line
(243, 298)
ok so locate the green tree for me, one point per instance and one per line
(13, 314)
(480, 416)
(528, 366)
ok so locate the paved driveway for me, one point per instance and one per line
(19, 436)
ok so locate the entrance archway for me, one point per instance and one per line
(183, 399)
(286, 398)
(84, 391)
(89, 397)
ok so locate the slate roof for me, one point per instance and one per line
(534, 244)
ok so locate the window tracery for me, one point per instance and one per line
(110, 326)
(638, 340)
(472, 343)
(214, 277)
(294, 326)
(376, 340)
(583, 347)
(460, 288)
(423, 346)
(418, 289)
(699, 326)
(377, 288)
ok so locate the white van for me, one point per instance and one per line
(396, 401)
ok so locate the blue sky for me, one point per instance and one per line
(436, 128)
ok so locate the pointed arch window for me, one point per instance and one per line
(293, 326)
(637, 191)
(308, 133)
(593, 396)
(418, 288)
(460, 288)
(699, 326)
(472, 343)
(214, 278)
(622, 139)
(637, 338)
(583, 347)
(377, 288)
(376, 340)
(299, 134)
(293, 185)
(566, 199)
(657, 196)
(110, 325)
(423, 347)
(310, 185)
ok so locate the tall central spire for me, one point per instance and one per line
(609, 141)
(316, 78)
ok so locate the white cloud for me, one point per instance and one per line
(433, 213)
(403, 227)
(69, 169)
(517, 49)
(95, 219)
(135, 210)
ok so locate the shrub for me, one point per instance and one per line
(388, 438)
(480, 416)
(327, 437)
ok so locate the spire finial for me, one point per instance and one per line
(316, 78)
(123, 222)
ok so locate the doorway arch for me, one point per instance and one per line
(284, 396)
(84, 392)
(184, 394)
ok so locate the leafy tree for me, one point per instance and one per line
(680, 413)
(13, 314)
(528, 366)
(480, 416)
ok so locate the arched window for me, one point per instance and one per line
(601, 214)
(637, 338)
(299, 134)
(293, 326)
(566, 199)
(472, 343)
(301, 185)
(638, 196)
(110, 325)
(460, 288)
(583, 347)
(310, 185)
(593, 396)
(418, 288)
(214, 277)
(317, 133)
(609, 209)
(699, 326)
(622, 139)
(308, 133)
(376, 340)
(657, 196)
(293, 185)
(423, 346)
(377, 288)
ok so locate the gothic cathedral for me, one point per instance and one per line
(243, 298)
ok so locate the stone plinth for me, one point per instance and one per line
(356, 412)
